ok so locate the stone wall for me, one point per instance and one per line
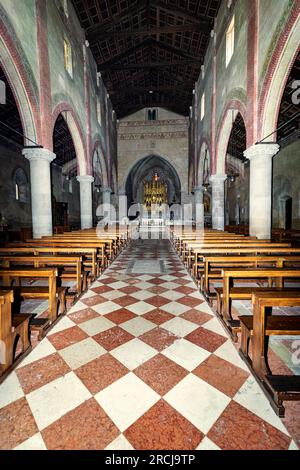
(286, 184)
(167, 137)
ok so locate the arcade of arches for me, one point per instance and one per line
(120, 109)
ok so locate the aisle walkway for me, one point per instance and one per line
(140, 362)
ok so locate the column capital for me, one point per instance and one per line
(106, 190)
(218, 179)
(38, 153)
(262, 151)
(85, 179)
(198, 189)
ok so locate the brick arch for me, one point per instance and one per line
(66, 110)
(225, 131)
(21, 84)
(98, 145)
(277, 74)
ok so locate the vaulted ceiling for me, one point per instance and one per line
(149, 52)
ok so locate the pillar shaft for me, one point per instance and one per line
(260, 197)
(40, 178)
(218, 201)
(86, 201)
(198, 207)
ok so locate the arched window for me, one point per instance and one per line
(20, 183)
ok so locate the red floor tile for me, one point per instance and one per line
(112, 338)
(197, 317)
(17, 424)
(83, 315)
(101, 372)
(41, 372)
(163, 428)
(120, 316)
(65, 338)
(160, 373)
(158, 316)
(222, 375)
(87, 427)
(206, 339)
(239, 429)
(125, 301)
(159, 338)
(190, 301)
(157, 301)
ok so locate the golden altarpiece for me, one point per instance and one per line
(155, 192)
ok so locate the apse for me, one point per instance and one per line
(143, 173)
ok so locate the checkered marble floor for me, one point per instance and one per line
(139, 362)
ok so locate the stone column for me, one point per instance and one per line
(86, 200)
(218, 201)
(260, 197)
(40, 180)
(106, 195)
(198, 207)
(106, 201)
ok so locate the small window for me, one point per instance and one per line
(230, 41)
(99, 116)
(17, 192)
(202, 111)
(70, 186)
(20, 186)
(152, 114)
(68, 57)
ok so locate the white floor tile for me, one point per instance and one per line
(205, 308)
(251, 397)
(118, 285)
(77, 306)
(33, 443)
(133, 353)
(140, 308)
(127, 400)
(169, 285)
(57, 398)
(113, 294)
(215, 326)
(10, 390)
(63, 324)
(81, 353)
(186, 354)
(228, 352)
(197, 401)
(207, 444)
(120, 443)
(179, 326)
(106, 307)
(96, 325)
(142, 295)
(175, 308)
(143, 285)
(172, 295)
(90, 293)
(138, 326)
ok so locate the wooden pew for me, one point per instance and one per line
(11, 328)
(64, 262)
(229, 275)
(55, 295)
(95, 260)
(200, 253)
(257, 329)
(213, 265)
